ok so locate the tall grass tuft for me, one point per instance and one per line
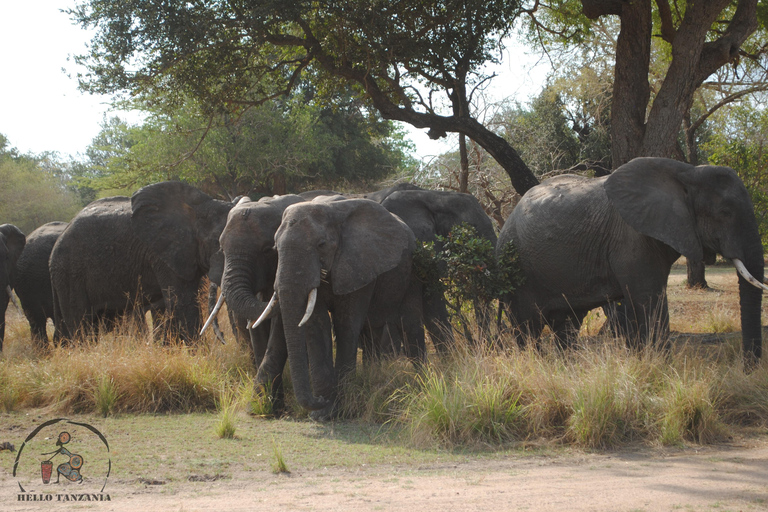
(278, 461)
(105, 395)
(227, 407)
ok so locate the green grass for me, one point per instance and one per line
(278, 461)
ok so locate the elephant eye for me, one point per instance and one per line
(726, 212)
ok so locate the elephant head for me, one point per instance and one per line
(12, 242)
(181, 226)
(331, 252)
(250, 257)
(698, 211)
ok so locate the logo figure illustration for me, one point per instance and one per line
(70, 469)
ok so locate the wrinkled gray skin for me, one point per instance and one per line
(128, 255)
(12, 242)
(583, 242)
(33, 283)
(358, 256)
(250, 261)
(430, 213)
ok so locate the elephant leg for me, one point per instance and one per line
(259, 340)
(438, 323)
(371, 344)
(349, 314)
(565, 327)
(270, 374)
(643, 317)
(37, 326)
(410, 325)
(3, 307)
(323, 375)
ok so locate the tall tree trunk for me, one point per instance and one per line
(464, 171)
(631, 90)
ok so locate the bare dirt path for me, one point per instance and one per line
(710, 478)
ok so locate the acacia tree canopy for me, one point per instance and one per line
(414, 61)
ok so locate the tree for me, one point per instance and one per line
(419, 62)
(33, 189)
(274, 148)
(740, 141)
(699, 38)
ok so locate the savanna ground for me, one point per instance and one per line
(706, 449)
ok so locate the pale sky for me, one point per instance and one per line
(41, 108)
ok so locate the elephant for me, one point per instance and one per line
(350, 258)
(33, 283)
(149, 251)
(12, 242)
(250, 261)
(430, 213)
(583, 242)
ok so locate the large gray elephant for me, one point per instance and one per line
(33, 284)
(350, 258)
(149, 251)
(430, 213)
(583, 242)
(250, 261)
(12, 242)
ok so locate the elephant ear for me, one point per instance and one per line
(15, 241)
(651, 196)
(371, 242)
(165, 219)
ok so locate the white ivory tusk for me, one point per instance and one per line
(266, 312)
(213, 314)
(310, 306)
(10, 296)
(742, 270)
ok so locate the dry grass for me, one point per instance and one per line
(599, 395)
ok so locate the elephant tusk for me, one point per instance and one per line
(310, 306)
(10, 296)
(742, 270)
(265, 313)
(213, 314)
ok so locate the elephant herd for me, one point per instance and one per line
(302, 271)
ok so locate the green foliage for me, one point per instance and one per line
(472, 270)
(33, 189)
(234, 53)
(276, 147)
(567, 124)
(427, 267)
(419, 62)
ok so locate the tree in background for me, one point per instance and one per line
(274, 148)
(740, 141)
(33, 189)
(420, 62)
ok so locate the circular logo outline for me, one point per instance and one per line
(53, 422)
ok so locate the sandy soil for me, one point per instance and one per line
(733, 477)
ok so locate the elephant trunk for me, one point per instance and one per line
(237, 287)
(311, 364)
(750, 301)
